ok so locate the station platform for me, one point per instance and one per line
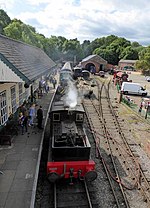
(19, 163)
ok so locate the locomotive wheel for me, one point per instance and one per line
(90, 176)
(53, 177)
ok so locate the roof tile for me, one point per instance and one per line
(31, 61)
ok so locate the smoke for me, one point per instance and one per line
(71, 95)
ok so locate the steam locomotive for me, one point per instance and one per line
(69, 147)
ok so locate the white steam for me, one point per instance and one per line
(71, 96)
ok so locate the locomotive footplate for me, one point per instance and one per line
(71, 169)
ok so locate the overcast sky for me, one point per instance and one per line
(84, 19)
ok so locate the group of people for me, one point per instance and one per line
(146, 106)
(26, 117)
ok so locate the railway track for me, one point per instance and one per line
(65, 193)
(119, 172)
(76, 195)
(114, 149)
(98, 129)
(79, 193)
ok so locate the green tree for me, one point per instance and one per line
(117, 47)
(135, 44)
(111, 48)
(86, 48)
(72, 50)
(103, 42)
(107, 54)
(4, 20)
(26, 33)
(14, 29)
(57, 45)
(144, 61)
(129, 53)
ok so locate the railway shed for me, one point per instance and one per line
(127, 64)
(94, 63)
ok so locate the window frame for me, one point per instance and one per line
(3, 108)
(13, 99)
(20, 87)
(56, 114)
(78, 115)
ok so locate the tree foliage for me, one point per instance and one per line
(111, 48)
(86, 48)
(129, 53)
(4, 20)
(144, 61)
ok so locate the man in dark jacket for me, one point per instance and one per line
(40, 117)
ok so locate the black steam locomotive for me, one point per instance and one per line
(69, 147)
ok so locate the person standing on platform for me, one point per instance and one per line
(23, 109)
(40, 117)
(25, 122)
(31, 114)
(54, 83)
(20, 120)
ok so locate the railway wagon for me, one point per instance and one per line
(77, 72)
(86, 74)
(69, 148)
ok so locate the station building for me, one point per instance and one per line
(22, 68)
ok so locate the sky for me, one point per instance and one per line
(84, 19)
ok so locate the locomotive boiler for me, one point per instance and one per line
(69, 147)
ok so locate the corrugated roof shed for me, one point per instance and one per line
(26, 61)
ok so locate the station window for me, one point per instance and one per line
(13, 99)
(20, 94)
(79, 117)
(3, 108)
(56, 117)
(26, 94)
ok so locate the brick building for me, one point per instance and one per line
(127, 64)
(94, 61)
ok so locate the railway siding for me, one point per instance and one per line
(135, 149)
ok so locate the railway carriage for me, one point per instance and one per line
(66, 74)
(69, 148)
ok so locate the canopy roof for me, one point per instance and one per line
(26, 61)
